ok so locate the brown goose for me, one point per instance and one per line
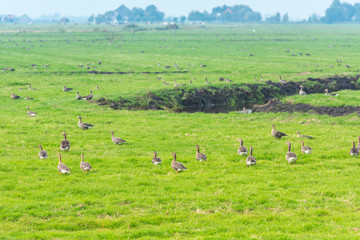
(282, 81)
(242, 150)
(65, 89)
(200, 156)
(13, 96)
(30, 88)
(78, 97)
(29, 98)
(85, 167)
(31, 113)
(156, 160)
(290, 156)
(277, 134)
(84, 126)
(303, 136)
(65, 144)
(177, 166)
(165, 83)
(88, 97)
(62, 168)
(250, 160)
(302, 92)
(330, 94)
(354, 151)
(305, 149)
(117, 140)
(42, 154)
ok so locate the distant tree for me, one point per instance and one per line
(275, 19)
(314, 18)
(182, 19)
(198, 16)
(339, 12)
(285, 18)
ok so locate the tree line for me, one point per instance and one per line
(336, 13)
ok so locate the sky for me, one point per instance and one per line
(297, 9)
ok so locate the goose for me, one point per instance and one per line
(62, 168)
(277, 134)
(13, 96)
(65, 89)
(177, 166)
(42, 154)
(176, 66)
(31, 113)
(303, 136)
(97, 87)
(302, 92)
(200, 156)
(78, 97)
(64, 144)
(85, 167)
(117, 140)
(29, 98)
(245, 111)
(354, 151)
(306, 150)
(250, 160)
(30, 88)
(290, 156)
(358, 146)
(165, 83)
(84, 126)
(203, 65)
(242, 150)
(190, 82)
(330, 94)
(155, 160)
(282, 81)
(206, 81)
(262, 78)
(228, 80)
(88, 97)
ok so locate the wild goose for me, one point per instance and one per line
(62, 168)
(303, 136)
(117, 140)
(65, 89)
(78, 97)
(354, 151)
(177, 166)
(84, 126)
(42, 154)
(228, 80)
(277, 134)
(358, 146)
(206, 81)
(282, 81)
(245, 111)
(200, 156)
(290, 156)
(203, 65)
(305, 149)
(31, 113)
(13, 96)
(88, 97)
(64, 144)
(330, 94)
(250, 160)
(242, 150)
(85, 167)
(97, 88)
(302, 92)
(30, 88)
(29, 98)
(155, 160)
(165, 83)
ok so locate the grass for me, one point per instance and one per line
(126, 197)
(345, 98)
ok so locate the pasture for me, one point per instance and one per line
(126, 196)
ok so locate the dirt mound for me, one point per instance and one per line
(277, 106)
(229, 97)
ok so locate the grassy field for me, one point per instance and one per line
(126, 196)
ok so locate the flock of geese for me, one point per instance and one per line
(177, 166)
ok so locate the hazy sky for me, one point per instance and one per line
(297, 9)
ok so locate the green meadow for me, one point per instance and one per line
(125, 196)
